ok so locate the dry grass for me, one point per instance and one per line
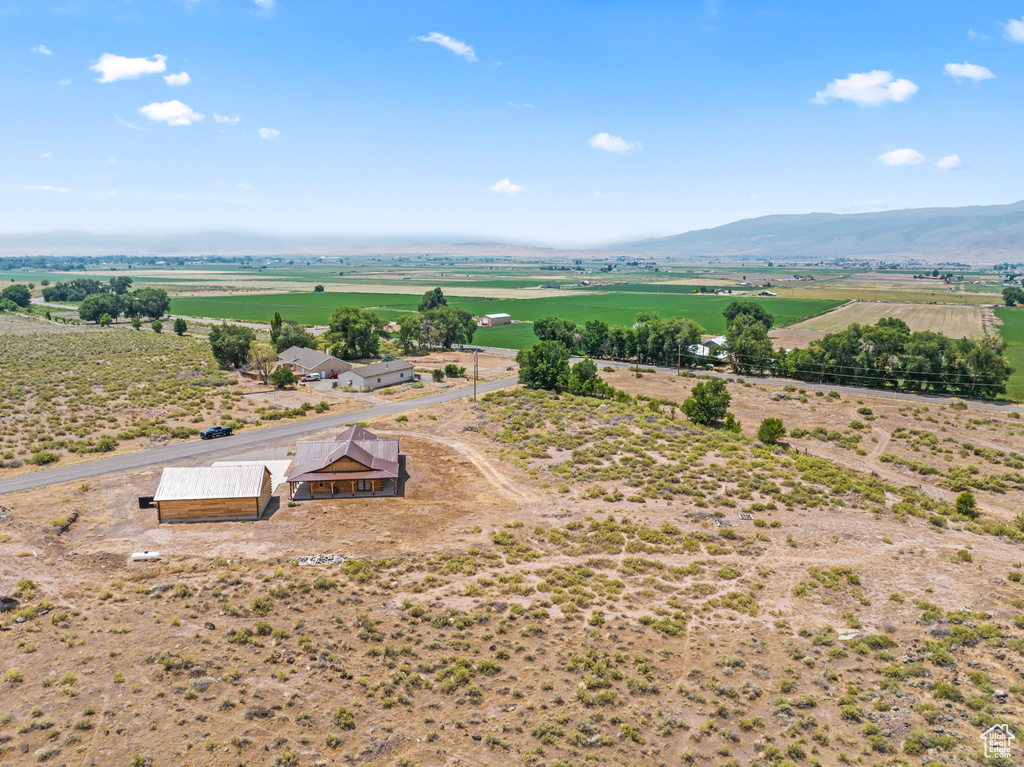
(953, 321)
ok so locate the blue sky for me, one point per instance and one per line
(546, 122)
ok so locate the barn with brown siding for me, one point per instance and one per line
(354, 463)
(213, 493)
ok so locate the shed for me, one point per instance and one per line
(489, 320)
(213, 493)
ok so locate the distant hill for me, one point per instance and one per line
(981, 233)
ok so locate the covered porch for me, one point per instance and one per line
(309, 488)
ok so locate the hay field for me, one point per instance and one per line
(953, 321)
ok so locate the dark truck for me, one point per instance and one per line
(215, 431)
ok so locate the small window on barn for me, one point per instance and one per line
(378, 380)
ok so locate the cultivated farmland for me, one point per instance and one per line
(952, 321)
(614, 308)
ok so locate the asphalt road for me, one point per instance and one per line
(207, 450)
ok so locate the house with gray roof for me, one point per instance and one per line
(378, 375)
(307, 361)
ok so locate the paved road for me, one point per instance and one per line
(208, 449)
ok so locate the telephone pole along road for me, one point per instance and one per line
(246, 439)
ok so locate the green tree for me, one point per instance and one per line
(157, 325)
(152, 303)
(708, 402)
(263, 359)
(230, 344)
(967, 504)
(447, 325)
(557, 329)
(748, 344)
(96, 305)
(105, 320)
(408, 331)
(120, 285)
(354, 333)
(275, 327)
(432, 299)
(180, 326)
(583, 379)
(136, 323)
(19, 294)
(749, 308)
(318, 289)
(1013, 295)
(293, 334)
(283, 376)
(771, 431)
(545, 365)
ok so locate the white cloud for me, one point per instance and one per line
(901, 157)
(949, 163)
(47, 188)
(1015, 30)
(976, 35)
(181, 78)
(170, 112)
(225, 119)
(609, 143)
(599, 195)
(43, 50)
(520, 106)
(111, 159)
(507, 187)
(46, 154)
(126, 124)
(457, 47)
(974, 72)
(245, 186)
(269, 134)
(867, 89)
(65, 81)
(113, 67)
(265, 5)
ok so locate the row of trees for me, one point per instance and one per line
(77, 290)
(1013, 295)
(653, 339)
(888, 355)
(108, 306)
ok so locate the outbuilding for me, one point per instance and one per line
(378, 375)
(488, 320)
(213, 493)
(304, 362)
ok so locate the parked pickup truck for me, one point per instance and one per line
(215, 431)
(309, 377)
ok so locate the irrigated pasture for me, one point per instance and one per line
(613, 308)
(952, 321)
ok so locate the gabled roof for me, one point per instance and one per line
(382, 367)
(378, 454)
(307, 358)
(191, 483)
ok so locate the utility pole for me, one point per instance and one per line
(679, 357)
(475, 369)
(638, 360)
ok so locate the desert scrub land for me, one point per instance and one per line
(565, 628)
(73, 391)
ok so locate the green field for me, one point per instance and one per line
(1012, 331)
(613, 308)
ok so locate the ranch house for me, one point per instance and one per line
(356, 463)
(304, 362)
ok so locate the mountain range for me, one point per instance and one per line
(975, 234)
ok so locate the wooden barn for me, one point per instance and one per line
(213, 493)
(354, 463)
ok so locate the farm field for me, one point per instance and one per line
(1012, 331)
(615, 309)
(953, 321)
(559, 576)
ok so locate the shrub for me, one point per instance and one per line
(44, 457)
(966, 504)
(771, 431)
(344, 718)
